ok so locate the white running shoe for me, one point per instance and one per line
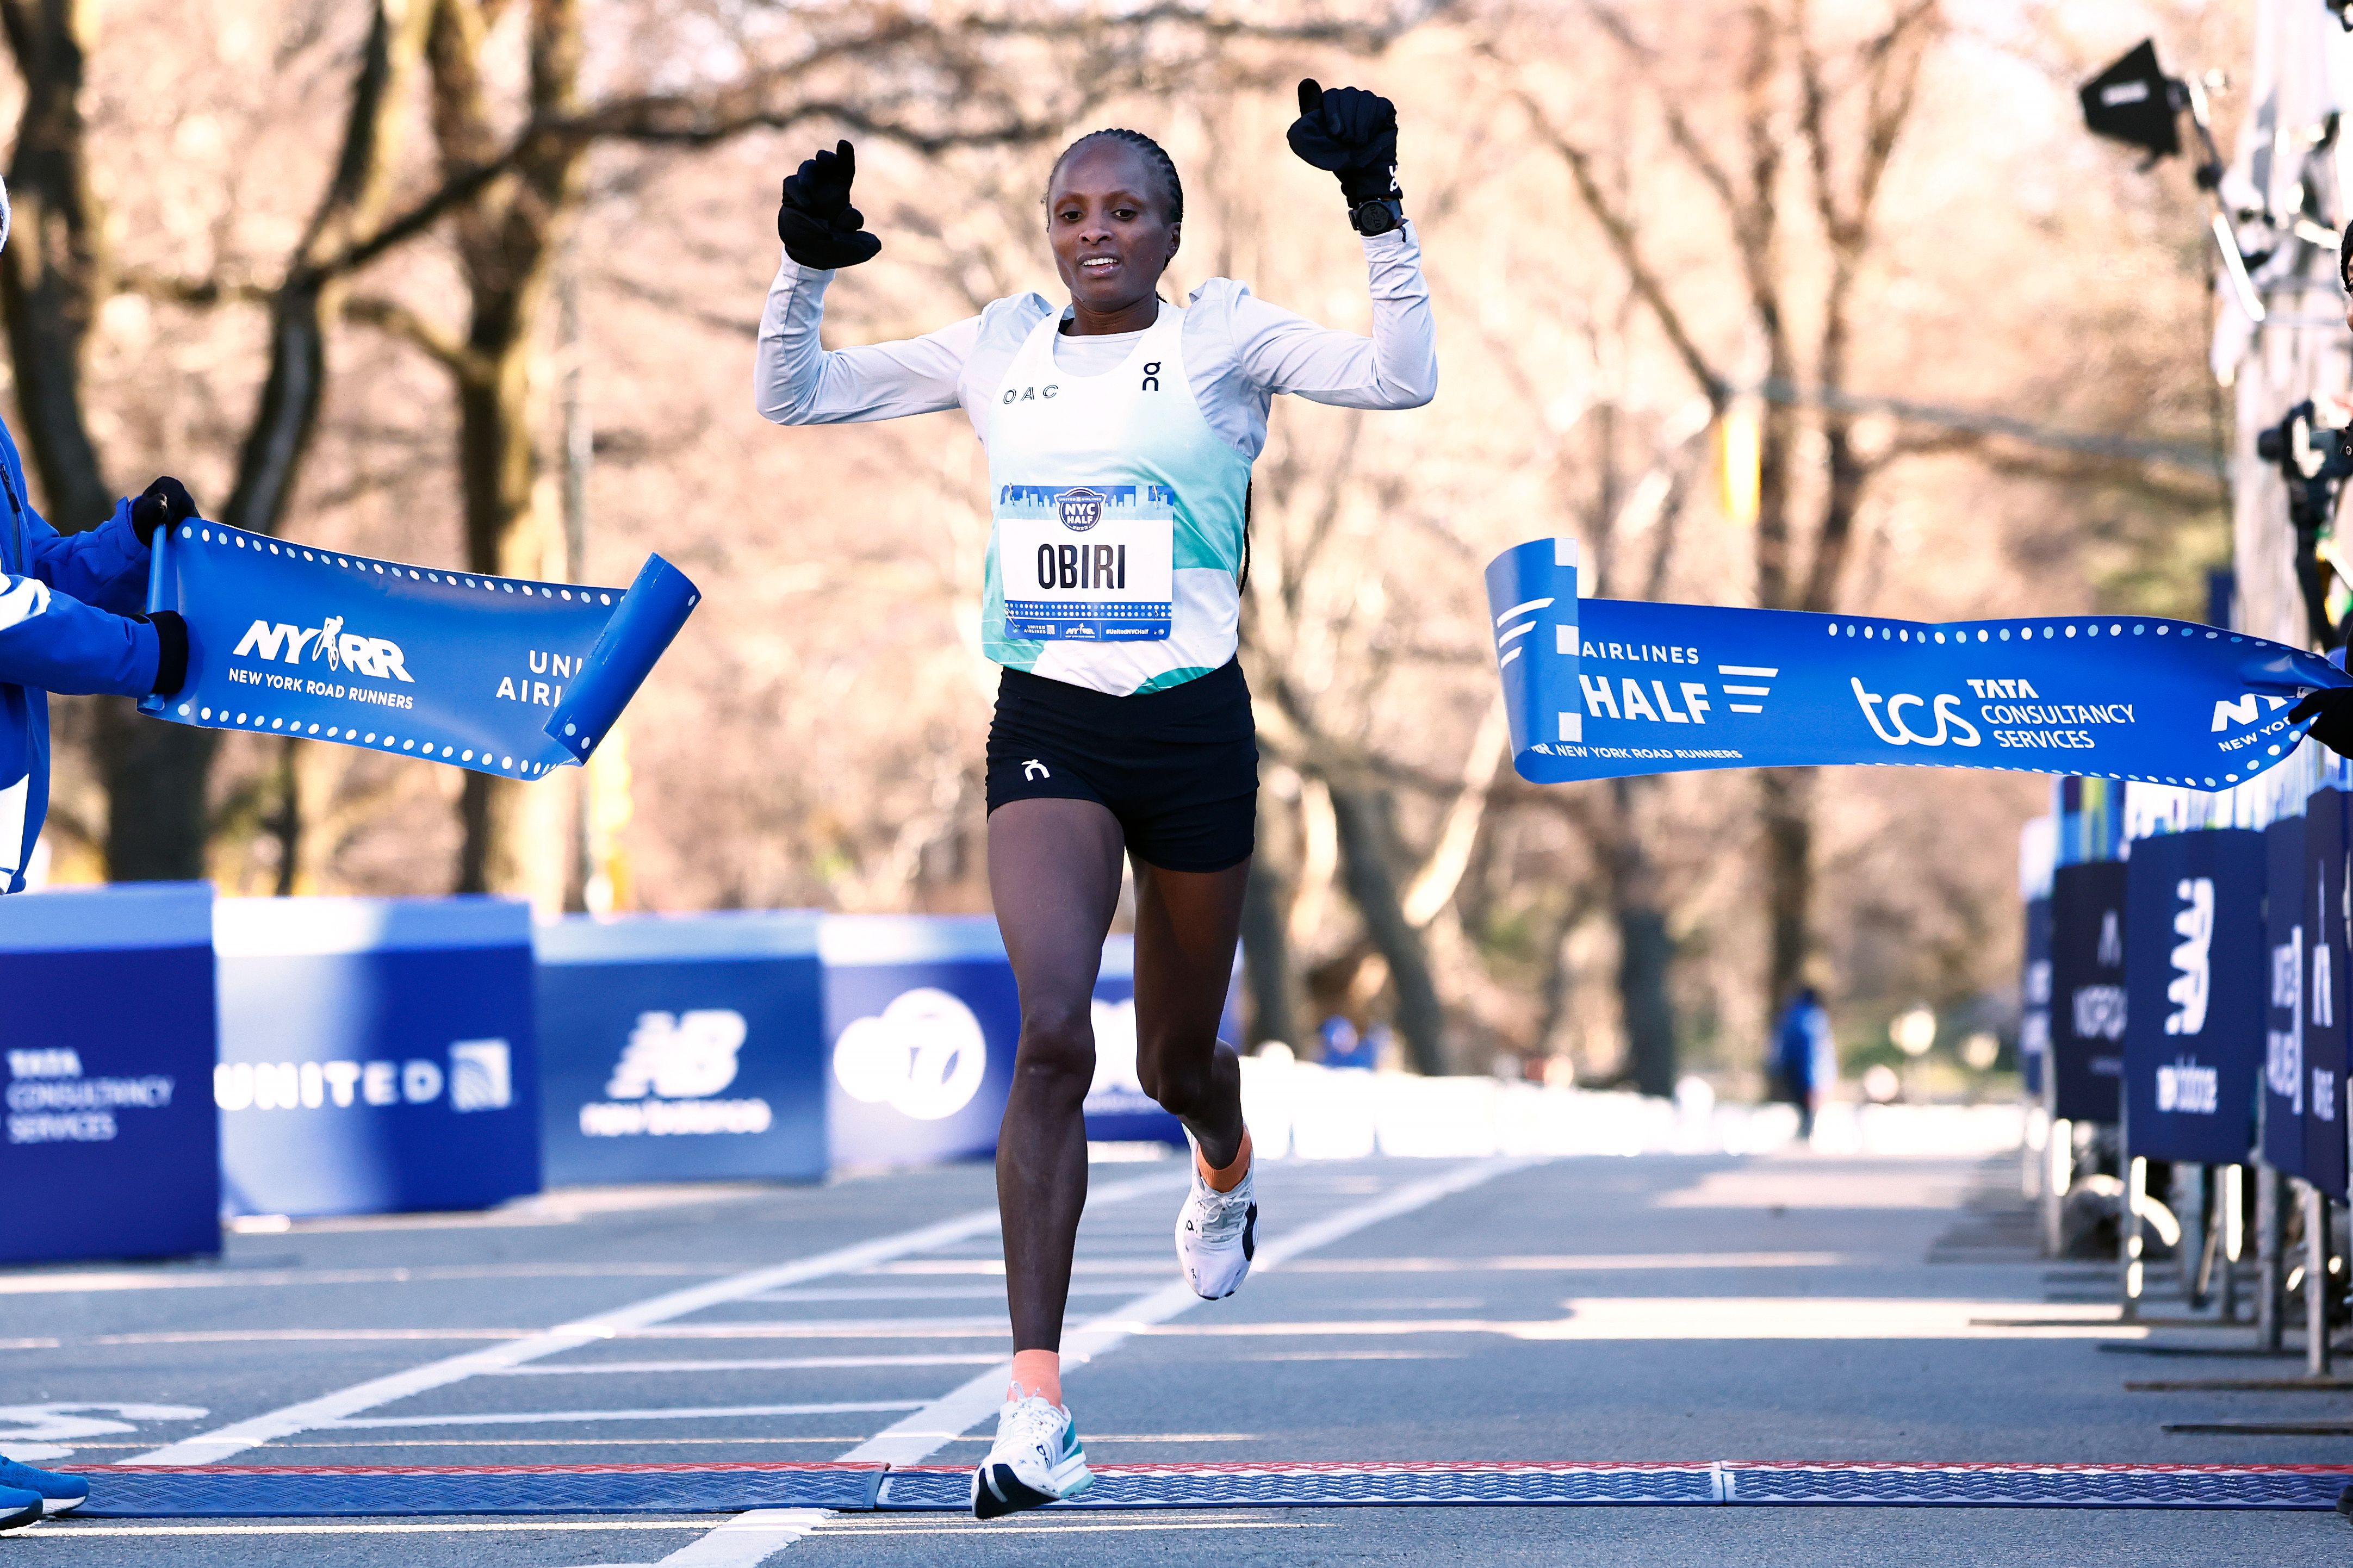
(1036, 1460)
(1217, 1233)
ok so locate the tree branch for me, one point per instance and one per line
(1623, 239)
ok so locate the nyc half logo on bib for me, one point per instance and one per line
(1613, 687)
(1087, 562)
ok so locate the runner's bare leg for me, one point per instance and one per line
(1054, 875)
(1187, 925)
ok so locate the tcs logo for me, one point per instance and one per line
(1944, 706)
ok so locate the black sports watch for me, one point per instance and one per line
(1376, 217)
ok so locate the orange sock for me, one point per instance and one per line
(1038, 1372)
(1227, 1179)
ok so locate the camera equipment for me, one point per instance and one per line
(2315, 462)
(2134, 102)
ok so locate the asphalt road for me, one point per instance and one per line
(1655, 1307)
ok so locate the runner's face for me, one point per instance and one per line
(1109, 227)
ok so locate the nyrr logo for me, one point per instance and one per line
(1081, 509)
(1950, 725)
(2192, 956)
(378, 658)
(2242, 711)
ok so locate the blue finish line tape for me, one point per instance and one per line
(268, 1491)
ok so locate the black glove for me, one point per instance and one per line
(2330, 709)
(816, 223)
(160, 505)
(1353, 133)
(171, 649)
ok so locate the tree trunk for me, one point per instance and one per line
(1267, 972)
(1368, 859)
(1787, 800)
(1646, 952)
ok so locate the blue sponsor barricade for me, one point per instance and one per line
(681, 1048)
(2087, 989)
(108, 1047)
(2196, 977)
(922, 1019)
(920, 1023)
(376, 1054)
(2285, 927)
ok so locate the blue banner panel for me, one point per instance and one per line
(377, 1055)
(922, 1019)
(2034, 998)
(2087, 989)
(495, 674)
(2196, 978)
(2326, 901)
(1612, 688)
(681, 1048)
(2283, 930)
(112, 1148)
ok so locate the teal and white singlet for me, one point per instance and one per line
(1116, 554)
(1119, 469)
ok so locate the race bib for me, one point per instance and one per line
(1087, 562)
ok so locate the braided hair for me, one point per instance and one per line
(1164, 167)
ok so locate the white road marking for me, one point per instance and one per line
(1156, 1267)
(1580, 1261)
(771, 1363)
(945, 1419)
(690, 1412)
(212, 1447)
(911, 1440)
(747, 1539)
(1722, 1318)
(941, 1293)
(862, 1527)
(53, 1530)
(91, 1280)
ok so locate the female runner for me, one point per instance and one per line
(1120, 432)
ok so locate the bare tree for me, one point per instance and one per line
(1838, 119)
(59, 274)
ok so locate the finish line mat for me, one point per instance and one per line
(272, 1491)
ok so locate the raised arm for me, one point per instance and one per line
(800, 382)
(1352, 135)
(796, 382)
(1397, 367)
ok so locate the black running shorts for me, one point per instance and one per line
(1178, 768)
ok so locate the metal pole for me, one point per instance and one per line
(2059, 1148)
(2130, 1239)
(2270, 1268)
(2315, 1280)
(2233, 1206)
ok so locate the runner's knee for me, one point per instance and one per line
(1058, 1042)
(1181, 1081)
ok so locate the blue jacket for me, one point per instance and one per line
(1804, 1050)
(66, 604)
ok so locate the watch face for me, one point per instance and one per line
(1375, 218)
